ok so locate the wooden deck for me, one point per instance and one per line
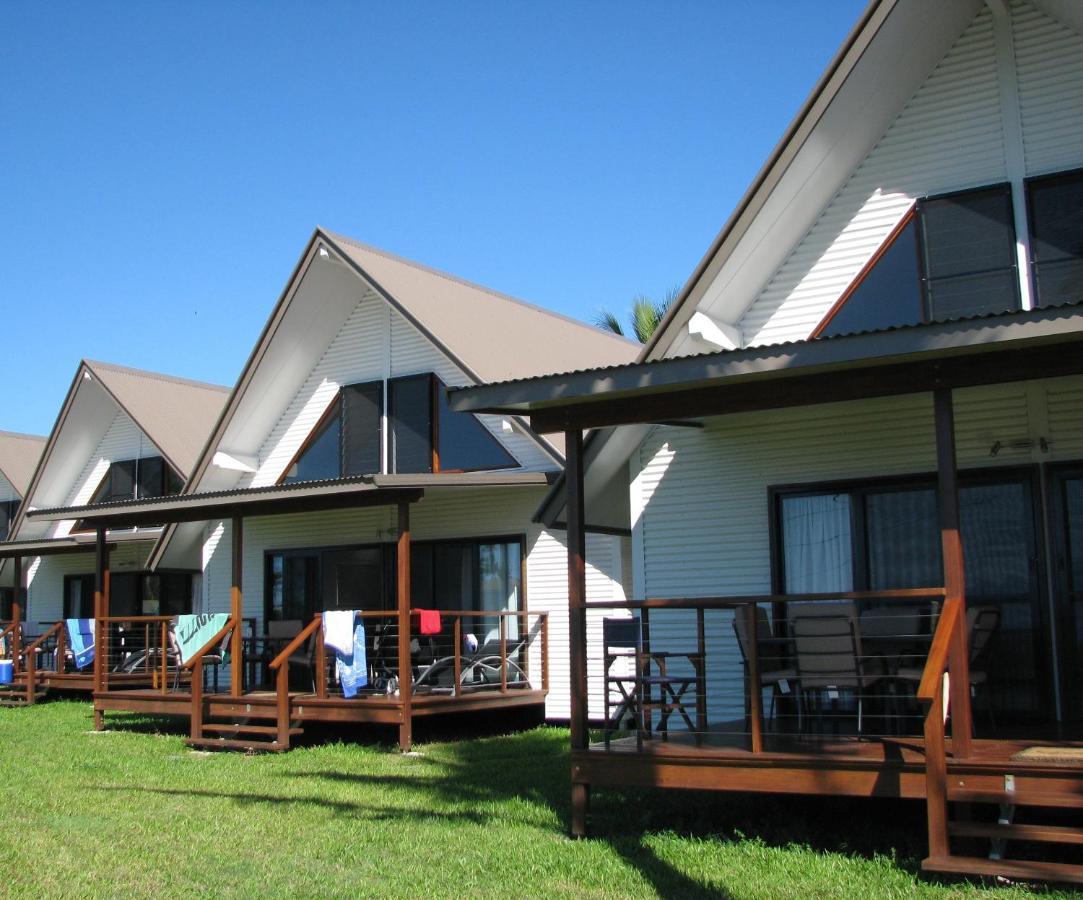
(307, 707)
(846, 766)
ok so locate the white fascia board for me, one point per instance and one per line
(719, 335)
(235, 462)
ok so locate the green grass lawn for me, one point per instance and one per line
(134, 813)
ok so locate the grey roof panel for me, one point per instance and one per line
(19, 455)
(177, 414)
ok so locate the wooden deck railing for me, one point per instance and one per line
(933, 695)
(31, 655)
(149, 652)
(280, 665)
(195, 666)
(746, 606)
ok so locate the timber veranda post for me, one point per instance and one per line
(16, 612)
(101, 610)
(954, 572)
(236, 601)
(402, 566)
(577, 620)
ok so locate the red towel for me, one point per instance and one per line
(430, 621)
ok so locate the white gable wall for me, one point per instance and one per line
(375, 342)
(122, 440)
(45, 578)
(461, 514)
(950, 136)
(718, 479)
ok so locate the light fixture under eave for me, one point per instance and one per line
(1020, 445)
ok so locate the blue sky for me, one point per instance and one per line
(162, 165)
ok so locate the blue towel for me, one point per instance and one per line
(352, 670)
(81, 641)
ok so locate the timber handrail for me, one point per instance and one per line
(10, 629)
(108, 620)
(936, 664)
(210, 645)
(293, 646)
(53, 629)
(907, 594)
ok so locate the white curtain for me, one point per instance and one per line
(817, 550)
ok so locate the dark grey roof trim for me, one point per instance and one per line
(286, 498)
(904, 344)
(72, 544)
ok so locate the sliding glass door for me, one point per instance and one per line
(1066, 520)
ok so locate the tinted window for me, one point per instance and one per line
(888, 294)
(362, 409)
(466, 444)
(1056, 223)
(969, 251)
(150, 477)
(7, 515)
(903, 538)
(410, 400)
(292, 585)
(118, 484)
(78, 596)
(321, 458)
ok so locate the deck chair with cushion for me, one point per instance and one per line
(982, 623)
(829, 660)
(776, 672)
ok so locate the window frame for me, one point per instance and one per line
(386, 548)
(1067, 175)
(167, 472)
(436, 384)
(915, 214)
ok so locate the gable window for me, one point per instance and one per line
(951, 257)
(1056, 239)
(968, 250)
(8, 508)
(424, 434)
(135, 479)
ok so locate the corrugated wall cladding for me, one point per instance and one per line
(7, 491)
(704, 530)
(374, 339)
(123, 440)
(1049, 62)
(45, 577)
(948, 136)
(481, 513)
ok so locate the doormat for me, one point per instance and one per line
(1051, 754)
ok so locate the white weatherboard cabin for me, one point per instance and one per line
(122, 434)
(338, 479)
(873, 475)
(19, 454)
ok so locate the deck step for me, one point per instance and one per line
(1052, 834)
(226, 744)
(1047, 799)
(230, 728)
(1022, 870)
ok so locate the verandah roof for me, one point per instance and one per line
(368, 490)
(911, 359)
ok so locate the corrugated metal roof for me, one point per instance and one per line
(522, 394)
(177, 414)
(495, 336)
(19, 455)
(212, 503)
(71, 544)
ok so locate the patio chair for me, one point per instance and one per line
(829, 659)
(775, 671)
(981, 624)
(279, 633)
(481, 669)
(635, 684)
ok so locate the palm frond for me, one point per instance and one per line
(607, 321)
